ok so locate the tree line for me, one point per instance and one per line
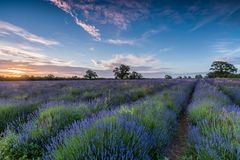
(218, 69)
(121, 72)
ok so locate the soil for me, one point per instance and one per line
(179, 144)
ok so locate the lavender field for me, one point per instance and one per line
(120, 119)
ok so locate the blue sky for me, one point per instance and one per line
(67, 37)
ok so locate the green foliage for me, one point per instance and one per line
(137, 93)
(168, 77)
(122, 72)
(10, 112)
(201, 111)
(221, 69)
(7, 147)
(90, 74)
(55, 118)
(90, 95)
(135, 75)
(198, 76)
(107, 129)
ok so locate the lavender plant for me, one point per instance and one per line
(31, 138)
(141, 131)
(214, 133)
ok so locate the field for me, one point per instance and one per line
(184, 119)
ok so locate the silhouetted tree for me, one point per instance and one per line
(90, 74)
(221, 69)
(179, 77)
(198, 76)
(50, 77)
(135, 75)
(122, 72)
(168, 77)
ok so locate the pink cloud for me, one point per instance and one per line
(92, 30)
(118, 13)
(62, 5)
(130, 59)
(121, 42)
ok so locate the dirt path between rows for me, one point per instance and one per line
(179, 144)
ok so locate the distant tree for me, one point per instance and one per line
(122, 72)
(135, 75)
(90, 74)
(179, 77)
(168, 77)
(74, 77)
(198, 76)
(50, 77)
(185, 77)
(221, 69)
(189, 77)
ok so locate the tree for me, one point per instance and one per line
(179, 77)
(122, 72)
(168, 77)
(90, 74)
(135, 75)
(198, 76)
(50, 77)
(221, 69)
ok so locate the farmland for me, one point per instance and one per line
(120, 119)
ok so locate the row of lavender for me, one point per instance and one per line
(141, 131)
(231, 87)
(20, 99)
(214, 132)
(35, 137)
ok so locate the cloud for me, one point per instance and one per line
(204, 22)
(7, 27)
(62, 5)
(152, 32)
(28, 54)
(10, 67)
(3, 33)
(165, 49)
(121, 42)
(219, 11)
(118, 13)
(222, 46)
(92, 30)
(91, 49)
(170, 13)
(150, 69)
(129, 59)
(146, 35)
(232, 56)
(229, 50)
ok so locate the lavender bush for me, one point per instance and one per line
(214, 133)
(29, 139)
(141, 131)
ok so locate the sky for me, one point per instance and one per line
(154, 37)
